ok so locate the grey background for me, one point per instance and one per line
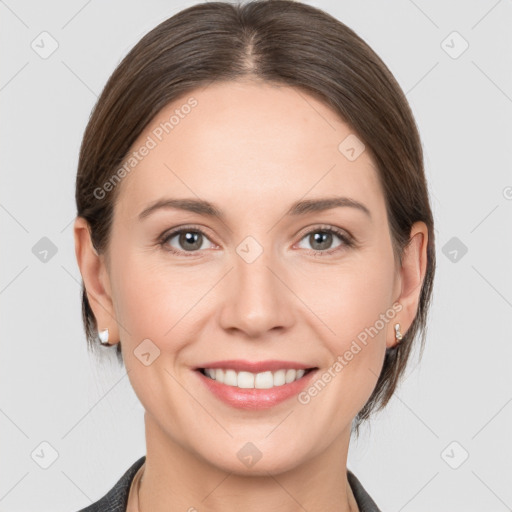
(52, 391)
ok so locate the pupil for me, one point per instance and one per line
(321, 236)
(190, 237)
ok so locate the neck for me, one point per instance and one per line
(177, 479)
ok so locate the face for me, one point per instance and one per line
(263, 281)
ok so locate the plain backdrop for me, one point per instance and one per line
(70, 425)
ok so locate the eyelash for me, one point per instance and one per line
(348, 241)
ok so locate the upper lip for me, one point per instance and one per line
(241, 365)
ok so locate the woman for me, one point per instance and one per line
(255, 238)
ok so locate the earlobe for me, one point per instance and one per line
(96, 280)
(412, 274)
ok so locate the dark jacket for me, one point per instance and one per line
(117, 498)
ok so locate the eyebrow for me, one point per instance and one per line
(303, 207)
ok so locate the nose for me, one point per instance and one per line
(256, 297)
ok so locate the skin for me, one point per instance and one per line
(252, 149)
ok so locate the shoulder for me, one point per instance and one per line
(363, 499)
(116, 499)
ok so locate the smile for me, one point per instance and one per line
(249, 380)
(254, 391)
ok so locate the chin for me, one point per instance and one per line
(255, 460)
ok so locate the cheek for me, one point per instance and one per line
(349, 297)
(152, 304)
(355, 306)
(158, 301)
(352, 306)
(145, 298)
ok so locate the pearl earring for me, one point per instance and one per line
(103, 336)
(398, 334)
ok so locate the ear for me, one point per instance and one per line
(96, 280)
(410, 279)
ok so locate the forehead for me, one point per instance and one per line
(250, 143)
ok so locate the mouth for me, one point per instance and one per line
(255, 391)
(251, 380)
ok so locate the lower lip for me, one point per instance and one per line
(253, 398)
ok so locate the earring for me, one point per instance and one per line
(103, 336)
(398, 334)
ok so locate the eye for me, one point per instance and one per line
(189, 238)
(321, 239)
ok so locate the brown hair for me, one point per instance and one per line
(282, 42)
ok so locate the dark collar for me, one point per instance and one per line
(117, 498)
(363, 499)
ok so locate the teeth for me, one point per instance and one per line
(247, 380)
(230, 378)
